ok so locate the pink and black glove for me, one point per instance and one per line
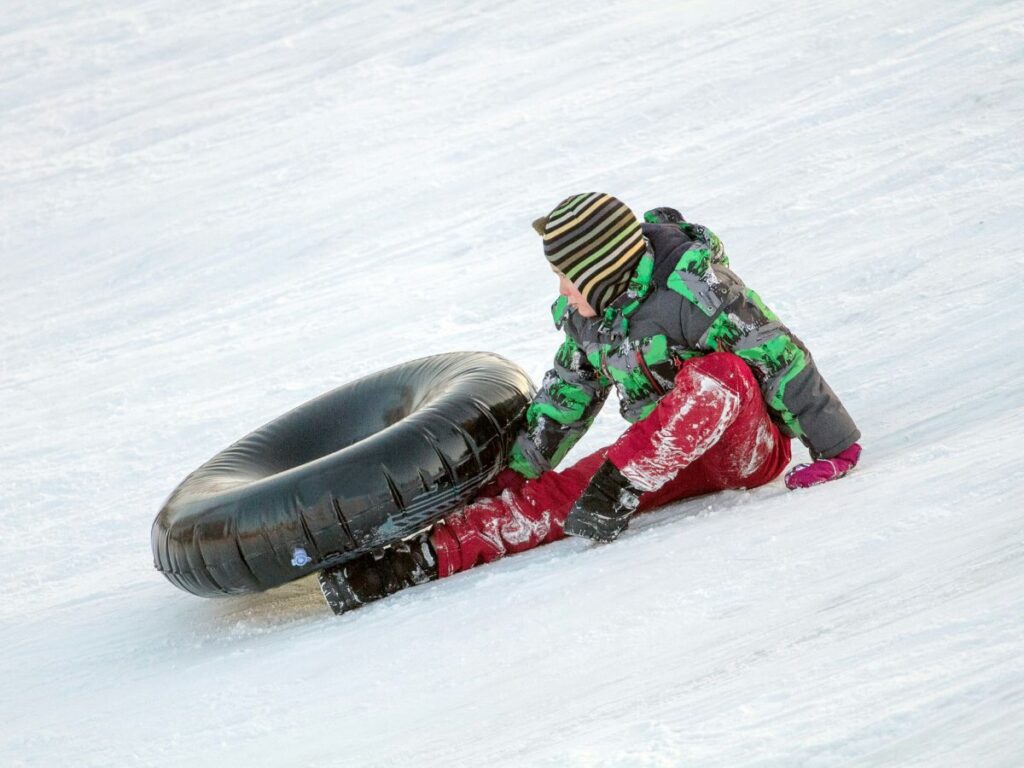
(823, 470)
(507, 479)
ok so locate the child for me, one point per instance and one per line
(714, 386)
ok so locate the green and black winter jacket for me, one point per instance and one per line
(683, 302)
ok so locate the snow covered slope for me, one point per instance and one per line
(213, 211)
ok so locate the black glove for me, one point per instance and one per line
(604, 509)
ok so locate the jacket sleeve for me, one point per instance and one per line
(563, 409)
(719, 313)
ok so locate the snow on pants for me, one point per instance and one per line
(710, 433)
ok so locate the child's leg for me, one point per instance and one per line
(710, 432)
(512, 522)
(713, 433)
(750, 453)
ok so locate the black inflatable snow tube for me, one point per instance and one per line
(370, 462)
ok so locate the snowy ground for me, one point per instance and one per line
(213, 211)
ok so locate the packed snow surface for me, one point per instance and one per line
(213, 211)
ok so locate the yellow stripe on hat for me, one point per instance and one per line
(577, 221)
(568, 203)
(601, 233)
(606, 247)
(630, 254)
(621, 245)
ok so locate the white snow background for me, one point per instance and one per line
(213, 211)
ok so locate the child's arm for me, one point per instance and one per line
(719, 313)
(563, 409)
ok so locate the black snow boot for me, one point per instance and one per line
(378, 574)
(604, 509)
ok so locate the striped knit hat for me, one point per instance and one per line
(595, 241)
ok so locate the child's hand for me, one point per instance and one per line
(823, 470)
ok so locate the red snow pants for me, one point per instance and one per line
(710, 433)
